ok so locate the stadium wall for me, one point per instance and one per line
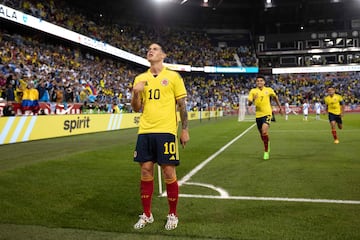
(27, 128)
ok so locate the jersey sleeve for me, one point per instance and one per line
(341, 100)
(251, 95)
(272, 92)
(140, 78)
(180, 90)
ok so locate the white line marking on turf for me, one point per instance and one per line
(311, 130)
(187, 177)
(201, 165)
(222, 192)
(272, 199)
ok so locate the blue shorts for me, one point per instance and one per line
(261, 120)
(336, 118)
(160, 148)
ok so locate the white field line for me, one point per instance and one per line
(224, 194)
(272, 199)
(313, 130)
(187, 177)
(209, 159)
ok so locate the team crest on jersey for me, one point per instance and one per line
(164, 82)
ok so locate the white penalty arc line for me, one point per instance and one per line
(272, 199)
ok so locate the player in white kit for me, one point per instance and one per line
(306, 107)
(318, 108)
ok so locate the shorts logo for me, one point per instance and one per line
(135, 154)
(164, 82)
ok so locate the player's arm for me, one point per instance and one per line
(326, 107)
(342, 108)
(184, 137)
(136, 101)
(251, 98)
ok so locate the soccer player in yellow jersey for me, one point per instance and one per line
(261, 97)
(335, 108)
(158, 93)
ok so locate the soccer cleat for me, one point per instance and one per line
(172, 222)
(143, 221)
(336, 141)
(266, 155)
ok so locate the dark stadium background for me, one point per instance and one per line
(283, 16)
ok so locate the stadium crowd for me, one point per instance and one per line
(185, 46)
(63, 73)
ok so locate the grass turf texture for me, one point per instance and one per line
(87, 186)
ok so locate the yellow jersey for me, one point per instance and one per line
(262, 102)
(159, 101)
(334, 104)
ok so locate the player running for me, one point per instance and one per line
(261, 97)
(335, 108)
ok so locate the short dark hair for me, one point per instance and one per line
(162, 45)
(260, 76)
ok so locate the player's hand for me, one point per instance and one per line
(281, 111)
(139, 87)
(184, 138)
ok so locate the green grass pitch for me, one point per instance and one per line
(87, 186)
